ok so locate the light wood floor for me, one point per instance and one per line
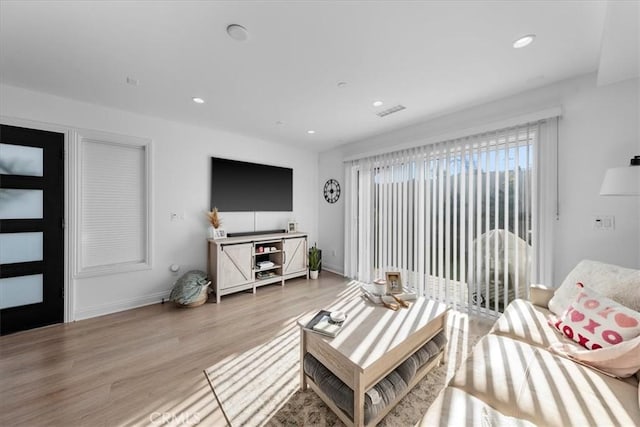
(144, 366)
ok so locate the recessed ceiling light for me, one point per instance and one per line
(311, 132)
(198, 100)
(133, 82)
(238, 32)
(524, 41)
(377, 103)
(342, 84)
(279, 123)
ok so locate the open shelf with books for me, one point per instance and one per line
(268, 257)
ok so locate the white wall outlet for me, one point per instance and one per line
(604, 222)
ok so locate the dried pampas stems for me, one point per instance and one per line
(213, 218)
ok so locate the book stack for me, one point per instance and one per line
(261, 265)
(265, 274)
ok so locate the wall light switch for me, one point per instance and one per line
(177, 216)
(604, 222)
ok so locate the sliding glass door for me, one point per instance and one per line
(457, 219)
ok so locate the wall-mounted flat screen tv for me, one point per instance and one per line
(250, 187)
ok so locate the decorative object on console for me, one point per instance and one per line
(219, 233)
(624, 181)
(215, 232)
(331, 190)
(292, 227)
(214, 218)
(314, 261)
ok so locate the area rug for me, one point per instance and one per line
(261, 386)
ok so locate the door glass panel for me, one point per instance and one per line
(22, 290)
(20, 160)
(20, 247)
(20, 204)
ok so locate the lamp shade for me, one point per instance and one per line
(624, 181)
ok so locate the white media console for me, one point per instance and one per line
(240, 263)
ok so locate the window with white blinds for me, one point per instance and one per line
(113, 229)
(460, 219)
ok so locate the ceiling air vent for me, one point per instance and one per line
(391, 110)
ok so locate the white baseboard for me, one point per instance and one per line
(332, 269)
(116, 306)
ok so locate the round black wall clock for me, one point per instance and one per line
(331, 191)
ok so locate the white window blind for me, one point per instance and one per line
(114, 219)
(461, 219)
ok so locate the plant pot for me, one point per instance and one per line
(319, 257)
(211, 232)
(313, 274)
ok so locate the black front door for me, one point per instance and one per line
(31, 228)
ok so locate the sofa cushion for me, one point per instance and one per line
(526, 322)
(454, 407)
(620, 284)
(595, 321)
(523, 381)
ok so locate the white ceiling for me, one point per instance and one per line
(432, 57)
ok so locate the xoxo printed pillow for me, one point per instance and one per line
(594, 321)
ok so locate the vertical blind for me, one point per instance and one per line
(460, 219)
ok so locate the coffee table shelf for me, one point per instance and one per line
(373, 342)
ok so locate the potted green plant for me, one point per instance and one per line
(314, 262)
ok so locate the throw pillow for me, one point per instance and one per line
(595, 321)
(622, 360)
(618, 283)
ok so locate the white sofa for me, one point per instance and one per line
(511, 377)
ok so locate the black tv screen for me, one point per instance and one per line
(242, 186)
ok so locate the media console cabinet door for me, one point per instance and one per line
(236, 265)
(295, 251)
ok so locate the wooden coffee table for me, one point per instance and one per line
(373, 342)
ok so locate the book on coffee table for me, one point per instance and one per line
(322, 324)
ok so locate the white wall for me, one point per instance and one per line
(331, 240)
(599, 128)
(181, 183)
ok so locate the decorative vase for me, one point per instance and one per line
(313, 274)
(212, 232)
